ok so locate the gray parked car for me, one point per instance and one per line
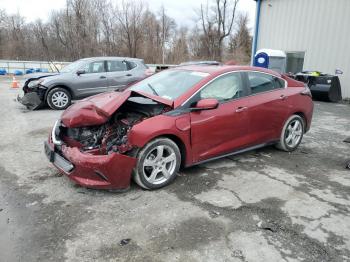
(82, 78)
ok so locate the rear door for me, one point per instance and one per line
(224, 129)
(119, 74)
(268, 106)
(92, 81)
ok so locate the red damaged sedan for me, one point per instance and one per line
(179, 117)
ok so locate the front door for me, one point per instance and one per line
(224, 129)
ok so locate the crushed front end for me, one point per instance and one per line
(94, 157)
(33, 93)
(96, 153)
(88, 169)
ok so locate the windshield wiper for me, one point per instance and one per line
(152, 88)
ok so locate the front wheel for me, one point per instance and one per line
(292, 134)
(58, 98)
(157, 164)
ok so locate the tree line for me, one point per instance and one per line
(85, 28)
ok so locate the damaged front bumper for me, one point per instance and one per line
(34, 94)
(112, 171)
(31, 100)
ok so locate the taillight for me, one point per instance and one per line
(149, 72)
(306, 92)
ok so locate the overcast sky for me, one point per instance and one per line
(181, 10)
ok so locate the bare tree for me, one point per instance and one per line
(240, 44)
(2, 32)
(130, 18)
(40, 32)
(15, 25)
(152, 38)
(217, 23)
(107, 26)
(86, 28)
(168, 26)
(180, 50)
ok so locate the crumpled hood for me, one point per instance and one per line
(36, 76)
(96, 110)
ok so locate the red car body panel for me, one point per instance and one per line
(215, 132)
(267, 114)
(163, 125)
(94, 110)
(99, 171)
(97, 109)
(297, 101)
(201, 135)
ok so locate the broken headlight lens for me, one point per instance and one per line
(34, 83)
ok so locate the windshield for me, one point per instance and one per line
(73, 67)
(169, 84)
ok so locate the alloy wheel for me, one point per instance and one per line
(294, 133)
(159, 164)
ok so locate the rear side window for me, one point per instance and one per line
(279, 83)
(116, 65)
(224, 88)
(131, 65)
(260, 82)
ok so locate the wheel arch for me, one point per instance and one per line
(303, 116)
(59, 86)
(178, 141)
(181, 146)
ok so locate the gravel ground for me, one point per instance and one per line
(265, 205)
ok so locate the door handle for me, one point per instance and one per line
(128, 74)
(102, 77)
(283, 97)
(241, 109)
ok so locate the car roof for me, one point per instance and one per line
(204, 62)
(220, 69)
(110, 58)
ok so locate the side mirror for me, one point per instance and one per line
(206, 104)
(80, 72)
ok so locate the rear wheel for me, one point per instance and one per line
(157, 164)
(58, 98)
(292, 134)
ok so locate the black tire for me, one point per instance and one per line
(54, 94)
(292, 135)
(142, 173)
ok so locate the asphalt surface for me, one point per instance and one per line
(265, 205)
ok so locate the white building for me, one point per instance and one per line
(315, 34)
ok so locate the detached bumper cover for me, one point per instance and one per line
(93, 171)
(31, 100)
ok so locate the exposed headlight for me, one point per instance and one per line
(53, 134)
(35, 82)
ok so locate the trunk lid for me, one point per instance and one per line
(97, 109)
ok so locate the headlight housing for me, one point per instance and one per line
(34, 83)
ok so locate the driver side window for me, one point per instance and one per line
(224, 88)
(95, 67)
